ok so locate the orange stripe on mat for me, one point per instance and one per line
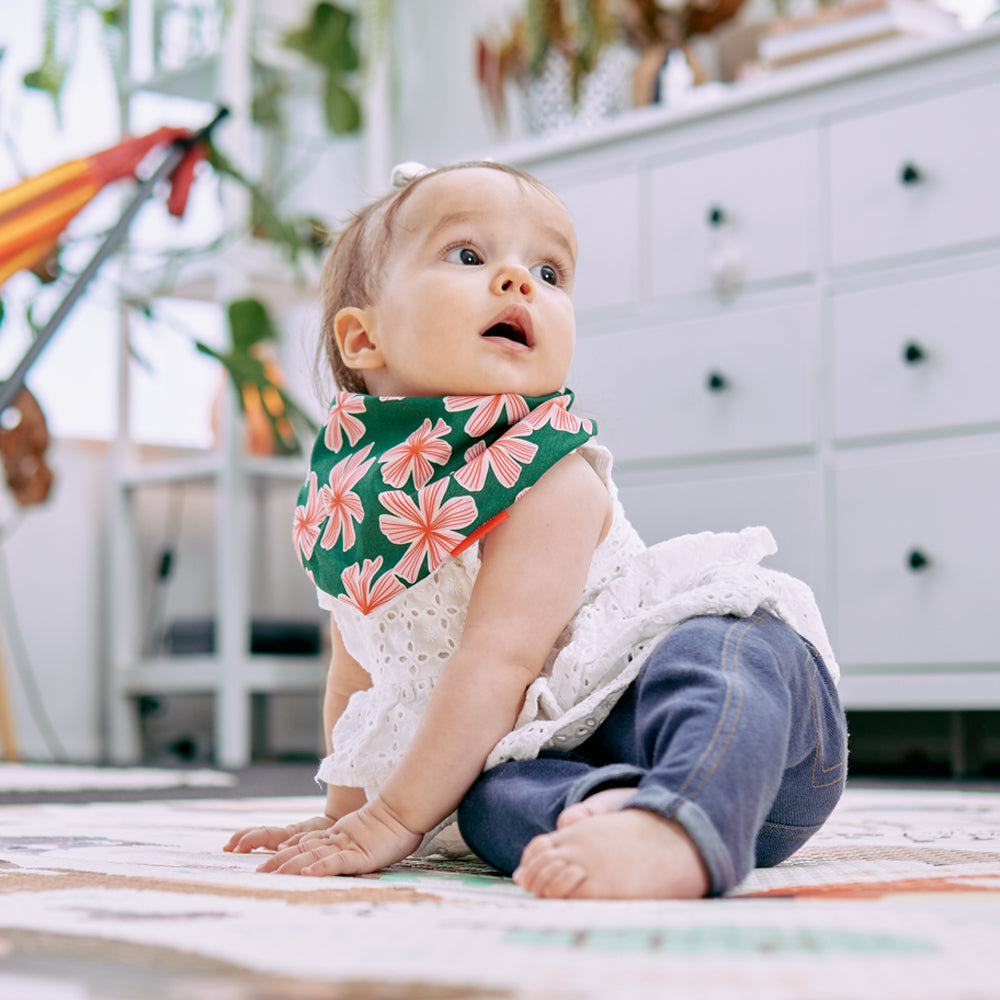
(862, 890)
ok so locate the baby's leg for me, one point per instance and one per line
(723, 721)
(505, 815)
(511, 804)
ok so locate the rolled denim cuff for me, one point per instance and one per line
(698, 827)
(599, 778)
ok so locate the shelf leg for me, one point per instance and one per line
(8, 733)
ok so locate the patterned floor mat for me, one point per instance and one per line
(898, 896)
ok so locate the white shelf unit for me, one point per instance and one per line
(787, 315)
(231, 675)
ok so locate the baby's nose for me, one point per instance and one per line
(513, 277)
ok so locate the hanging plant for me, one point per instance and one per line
(296, 234)
(326, 41)
(579, 30)
(255, 377)
(59, 35)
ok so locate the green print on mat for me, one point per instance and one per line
(696, 941)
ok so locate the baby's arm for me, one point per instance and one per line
(344, 677)
(534, 568)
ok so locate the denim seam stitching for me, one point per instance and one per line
(731, 676)
(818, 763)
(707, 752)
(780, 830)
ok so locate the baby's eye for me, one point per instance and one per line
(464, 255)
(547, 273)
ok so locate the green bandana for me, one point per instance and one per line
(398, 484)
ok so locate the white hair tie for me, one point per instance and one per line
(403, 173)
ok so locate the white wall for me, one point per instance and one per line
(438, 111)
(53, 619)
(54, 562)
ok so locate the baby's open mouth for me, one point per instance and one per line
(513, 325)
(507, 331)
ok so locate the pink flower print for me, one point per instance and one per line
(341, 420)
(340, 503)
(306, 521)
(360, 593)
(505, 457)
(487, 410)
(556, 413)
(414, 456)
(428, 526)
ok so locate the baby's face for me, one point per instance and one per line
(477, 295)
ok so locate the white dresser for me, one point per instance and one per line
(789, 314)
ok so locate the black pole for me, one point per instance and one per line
(173, 156)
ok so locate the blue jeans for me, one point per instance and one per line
(733, 729)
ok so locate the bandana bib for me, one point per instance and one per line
(399, 484)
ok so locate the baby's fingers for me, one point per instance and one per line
(346, 862)
(302, 837)
(244, 841)
(291, 860)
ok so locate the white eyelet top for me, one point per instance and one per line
(633, 597)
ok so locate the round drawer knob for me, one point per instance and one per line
(716, 216)
(716, 382)
(913, 353)
(917, 561)
(910, 174)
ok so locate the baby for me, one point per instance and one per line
(604, 719)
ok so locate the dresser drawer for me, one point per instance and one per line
(917, 177)
(787, 503)
(917, 356)
(734, 383)
(755, 205)
(917, 556)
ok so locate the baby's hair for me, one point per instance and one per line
(354, 266)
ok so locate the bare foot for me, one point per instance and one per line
(628, 854)
(606, 801)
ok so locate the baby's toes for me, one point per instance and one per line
(574, 814)
(559, 880)
(537, 850)
(544, 871)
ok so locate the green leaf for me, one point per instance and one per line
(320, 34)
(342, 54)
(249, 324)
(340, 108)
(265, 219)
(114, 15)
(226, 361)
(268, 91)
(48, 78)
(245, 369)
(325, 39)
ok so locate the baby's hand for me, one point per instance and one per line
(274, 838)
(363, 841)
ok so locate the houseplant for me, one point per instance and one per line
(574, 41)
(549, 50)
(324, 42)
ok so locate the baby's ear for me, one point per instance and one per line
(352, 327)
